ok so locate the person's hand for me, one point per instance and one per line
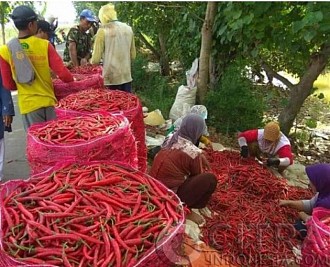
(275, 162)
(244, 151)
(304, 216)
(84, 62)
(283, 202)
(209, 145)
(205, 163)
(7, 120)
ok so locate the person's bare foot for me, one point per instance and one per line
(205, 212)
(196, 218)
(292, 263)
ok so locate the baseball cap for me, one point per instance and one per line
(88, 14)
(44, 26)
(23, 14)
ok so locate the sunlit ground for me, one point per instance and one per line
(323, 85)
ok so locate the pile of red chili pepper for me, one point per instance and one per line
(87, 69)
(94, 214)
(250, 229)
(81, 83)
(99, 99)
(96, 100)
(75, 130)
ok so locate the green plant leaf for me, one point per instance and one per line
(309, 35)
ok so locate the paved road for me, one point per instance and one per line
(16, 165)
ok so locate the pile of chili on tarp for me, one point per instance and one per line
(250, 229)
(98, 100)
(92, 214)
(98, 136)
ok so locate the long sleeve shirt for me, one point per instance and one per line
(173, 165)
(114, 43)
(282, 149)
(44, 58)
(6, 106)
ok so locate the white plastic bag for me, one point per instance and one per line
(184, 100)
(186, 95)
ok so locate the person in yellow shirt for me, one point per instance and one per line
(25, 64)
(114, 44)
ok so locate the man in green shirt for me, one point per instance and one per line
(78, 44)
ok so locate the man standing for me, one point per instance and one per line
(78, 43)
(44, 30)
(25, 64)
(114, 43)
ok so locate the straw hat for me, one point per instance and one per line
(272, 131)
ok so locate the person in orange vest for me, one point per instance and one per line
(26, 63)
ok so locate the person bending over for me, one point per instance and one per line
(179, 166)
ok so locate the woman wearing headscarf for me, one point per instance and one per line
(319, 178)
(269, 145)
(201, 111)
(179, 166)
(196, 109)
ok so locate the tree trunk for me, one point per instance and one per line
(164, 62)
(2, 21)
(205, 53)
(303, 89)
(3, 32)
(213, 76)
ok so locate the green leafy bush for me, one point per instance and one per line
(234, 105)
(154, 90)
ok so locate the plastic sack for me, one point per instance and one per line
(184, 100)
(104, 100)
(192, 74)
(316, 245)
(117, 143)
(154, 118)
(83, 82)
(186, 95)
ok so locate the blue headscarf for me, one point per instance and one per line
(192, 128)
(319, 175)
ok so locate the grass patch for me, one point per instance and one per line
(154, 90)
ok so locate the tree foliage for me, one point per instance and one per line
(93, 6)
(234, 105)
(6, 8)
(273, 36)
